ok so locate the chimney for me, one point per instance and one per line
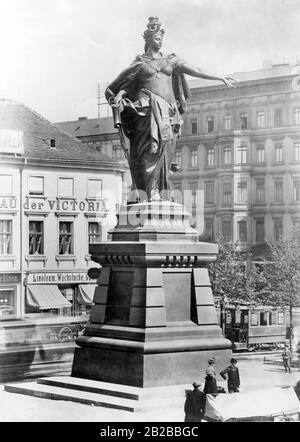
(82, 118)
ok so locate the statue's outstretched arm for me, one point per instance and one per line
(194, 71)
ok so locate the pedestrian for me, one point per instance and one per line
(286, 357)
(194, 406)
(210, 386)
(231, 373)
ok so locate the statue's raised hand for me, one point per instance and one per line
(229, 81)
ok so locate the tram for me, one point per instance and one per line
(254, 328)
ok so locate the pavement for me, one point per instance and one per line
(256, 372)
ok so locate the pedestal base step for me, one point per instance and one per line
(102, 394)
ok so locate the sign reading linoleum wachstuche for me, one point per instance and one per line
(63, 205)
(58, 278)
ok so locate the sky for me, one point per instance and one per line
(55, 52)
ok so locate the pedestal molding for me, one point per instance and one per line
(154, 347)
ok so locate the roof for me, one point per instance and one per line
(280, 70)
(37, 132)
(254, 307)
(88, 127)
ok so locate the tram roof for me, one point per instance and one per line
(257, 307)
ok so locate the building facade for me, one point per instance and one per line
(97, 133)
(56, 197)
(240, 149)
(100, 134)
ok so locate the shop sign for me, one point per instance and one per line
(59, 278)
(62, 205)
(8, 202)
(94, 272)
(10, 278)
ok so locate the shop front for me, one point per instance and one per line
(10, 294)
(57, 308)
(52, 294)
(10, 288)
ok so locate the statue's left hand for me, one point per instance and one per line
(119, 97)
(229, 81)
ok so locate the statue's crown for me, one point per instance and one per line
(154, 25)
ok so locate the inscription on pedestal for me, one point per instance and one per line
(119, 297)
(177, 288)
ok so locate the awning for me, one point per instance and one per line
(252, 404)
(86, 293)
(46, 296)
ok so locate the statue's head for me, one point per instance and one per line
(154, 33)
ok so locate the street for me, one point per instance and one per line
(259, 372)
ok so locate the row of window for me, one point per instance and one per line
(242, 193)
(242, 229)
(243, 122)
(257, 318)
(115, 151)
(267, 318)
(240, 158)
(36, 240)
(8, 305)
(65, 186)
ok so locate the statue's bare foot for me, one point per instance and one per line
(155, 196)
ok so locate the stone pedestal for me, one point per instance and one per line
(153, 321)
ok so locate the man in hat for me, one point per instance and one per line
(231, 373)
(194, 406)
(286, 358)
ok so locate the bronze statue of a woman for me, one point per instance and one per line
(149, 97)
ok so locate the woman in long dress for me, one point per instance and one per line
(150, 95)
(210, 386)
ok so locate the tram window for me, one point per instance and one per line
(280, 318)
(254, 319)
(245, 318)
(263, 318)
(238, 316)
(228, 317)
(272, 318)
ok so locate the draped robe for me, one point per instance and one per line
(151, 121)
